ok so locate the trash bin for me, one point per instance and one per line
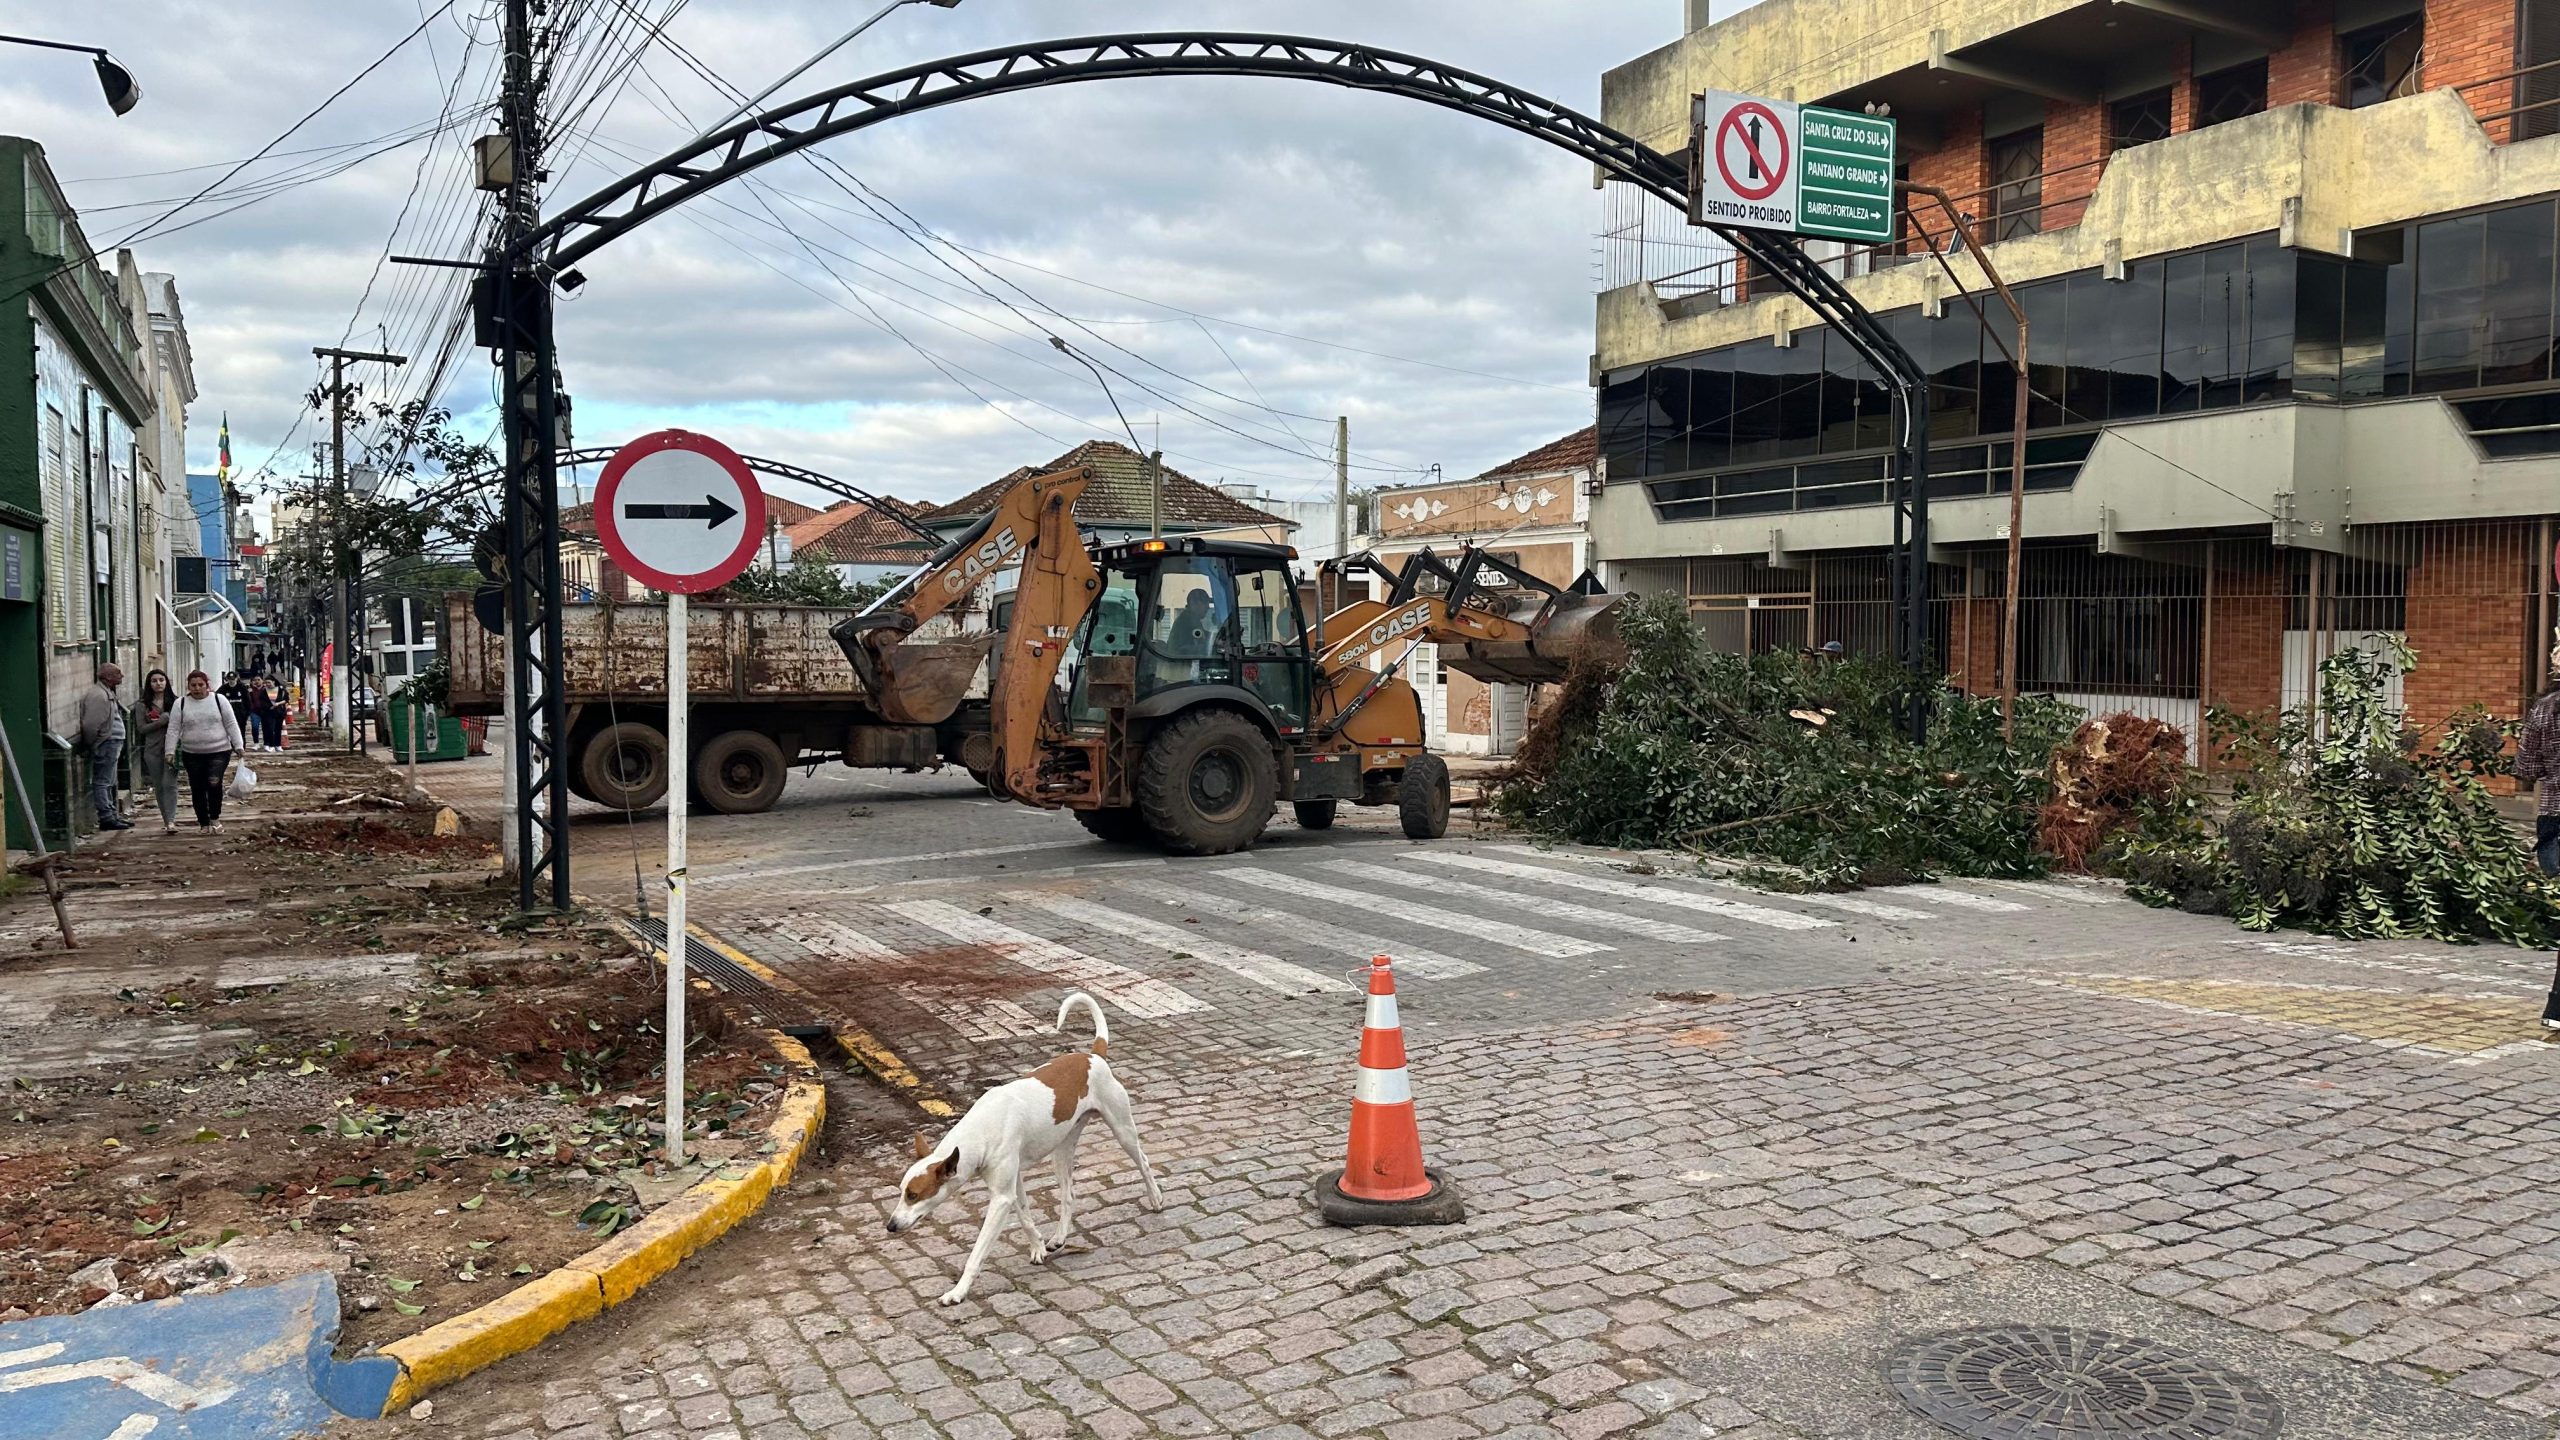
(439, 736)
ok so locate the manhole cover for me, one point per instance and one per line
(2037, 1382)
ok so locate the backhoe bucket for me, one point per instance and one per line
(1543, 658)
(922, 682)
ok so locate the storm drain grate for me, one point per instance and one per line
(777, 1006)
(2037, 1382)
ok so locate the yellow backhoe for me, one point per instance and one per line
(1197, 695)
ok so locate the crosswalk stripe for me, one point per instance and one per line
(1350, 945)
(1136, 993)
(746, 871)
(1961, 899)
(1656, 894)
(2062, 890)
(987, 1018)
(1518, 937)
(1644, 925)
(1268, 971)
(1846, 904)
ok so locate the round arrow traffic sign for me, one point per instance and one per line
(679, 512)
(1753, 151)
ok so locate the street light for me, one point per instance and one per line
(122, 93)
(841, 41)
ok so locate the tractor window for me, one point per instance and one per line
(1111, 629)
(1190, 630)
(1275, 651)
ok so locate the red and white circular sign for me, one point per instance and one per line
(1754, 151)
(679, 512)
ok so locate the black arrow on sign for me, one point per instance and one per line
(716, 511)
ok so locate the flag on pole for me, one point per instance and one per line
(222, 466)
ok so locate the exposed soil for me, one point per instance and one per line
(268, 1052)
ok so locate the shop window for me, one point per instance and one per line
(2138, 119)
(2381, 61)
(2017, 178)
(2233, 94)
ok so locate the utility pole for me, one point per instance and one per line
(1341, 500)
(345, 557)
(515, 318)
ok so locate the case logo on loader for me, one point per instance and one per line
(991, 553)
(1395, 625)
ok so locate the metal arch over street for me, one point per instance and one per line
(572, 459)
(788, 127)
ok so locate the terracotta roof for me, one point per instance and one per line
(1120, 494)
(869, 537)
(805, 533)
(1576, 451)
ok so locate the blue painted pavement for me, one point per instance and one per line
(245, 1364)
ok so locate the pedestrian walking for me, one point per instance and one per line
(277, 706)
(202, 735)
(102, 735)
(258, 708)
(2538, 760)
(150, 724)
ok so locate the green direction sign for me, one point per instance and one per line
(1845, 175)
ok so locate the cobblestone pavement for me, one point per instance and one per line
(1720, 1149)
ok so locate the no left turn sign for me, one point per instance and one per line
(679, 512)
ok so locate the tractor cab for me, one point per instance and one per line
(1180, 621)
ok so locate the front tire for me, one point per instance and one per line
(624, 765)
(740, 773)
(1422, 798)
(1315, 814)
(1206, 783)
(1114, 824)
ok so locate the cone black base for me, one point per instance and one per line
(1440, 1206)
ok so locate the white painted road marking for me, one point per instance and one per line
(1644, 925)
(1846, 904)
(929, 857)
(124, 1371)
(1349, 944)
(1518, 937)
(2055, 890)
(1961, 899)
(976, 1019)
(1656, 894)
(1268, 971)
(1136, 993)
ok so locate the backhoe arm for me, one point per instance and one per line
(1058, 588)
(923, 684)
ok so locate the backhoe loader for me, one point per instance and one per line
(1197, 696)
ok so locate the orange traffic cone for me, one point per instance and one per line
(1384, 1182)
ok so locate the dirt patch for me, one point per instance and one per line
(1693, 997)
(970, 972)
(268, 1046)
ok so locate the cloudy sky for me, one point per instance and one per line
(1255, 256)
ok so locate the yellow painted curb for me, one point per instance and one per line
(618, 1269)
(861, 1044)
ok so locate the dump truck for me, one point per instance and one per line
(771, 690)
(1196, 695)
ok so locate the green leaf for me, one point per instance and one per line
(306, 1068)
(152, 1227)
(405, 1308)
(475, 1202)
(396, 1283)
(192, 1251)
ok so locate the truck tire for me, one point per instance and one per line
(1114, 824)
(1315, 814)
(624, 765)
(739, 772)
(1422, 798)
(1206, 783)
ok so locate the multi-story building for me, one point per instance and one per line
(2290, 271)
(1533, 512)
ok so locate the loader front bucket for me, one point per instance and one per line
(1543, 658)
(923, 681)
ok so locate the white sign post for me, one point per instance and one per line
(680, 513)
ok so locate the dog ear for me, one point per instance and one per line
(950, 1167)
(922, 1149)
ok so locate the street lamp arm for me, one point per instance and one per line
(52, 44)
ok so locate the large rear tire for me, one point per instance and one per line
(1206, 783)
(624, 765)
(1315, 814)
(1114, 824)
(740, 772)
(1422, 798)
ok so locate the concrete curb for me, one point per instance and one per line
(865, 1047)
(612, 1272)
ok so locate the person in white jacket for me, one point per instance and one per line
(203, 733)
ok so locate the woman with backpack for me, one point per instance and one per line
(203, 735)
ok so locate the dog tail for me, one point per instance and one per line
(1101, 1026)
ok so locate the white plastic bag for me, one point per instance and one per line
(244, 781)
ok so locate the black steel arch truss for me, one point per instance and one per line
(597, 455)
(547, 251)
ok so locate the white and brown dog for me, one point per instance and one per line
(1015, 1126)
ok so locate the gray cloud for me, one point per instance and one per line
(1370, 223)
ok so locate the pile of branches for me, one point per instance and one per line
(2344, 821)
(1783, 759)
(2107, 777)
